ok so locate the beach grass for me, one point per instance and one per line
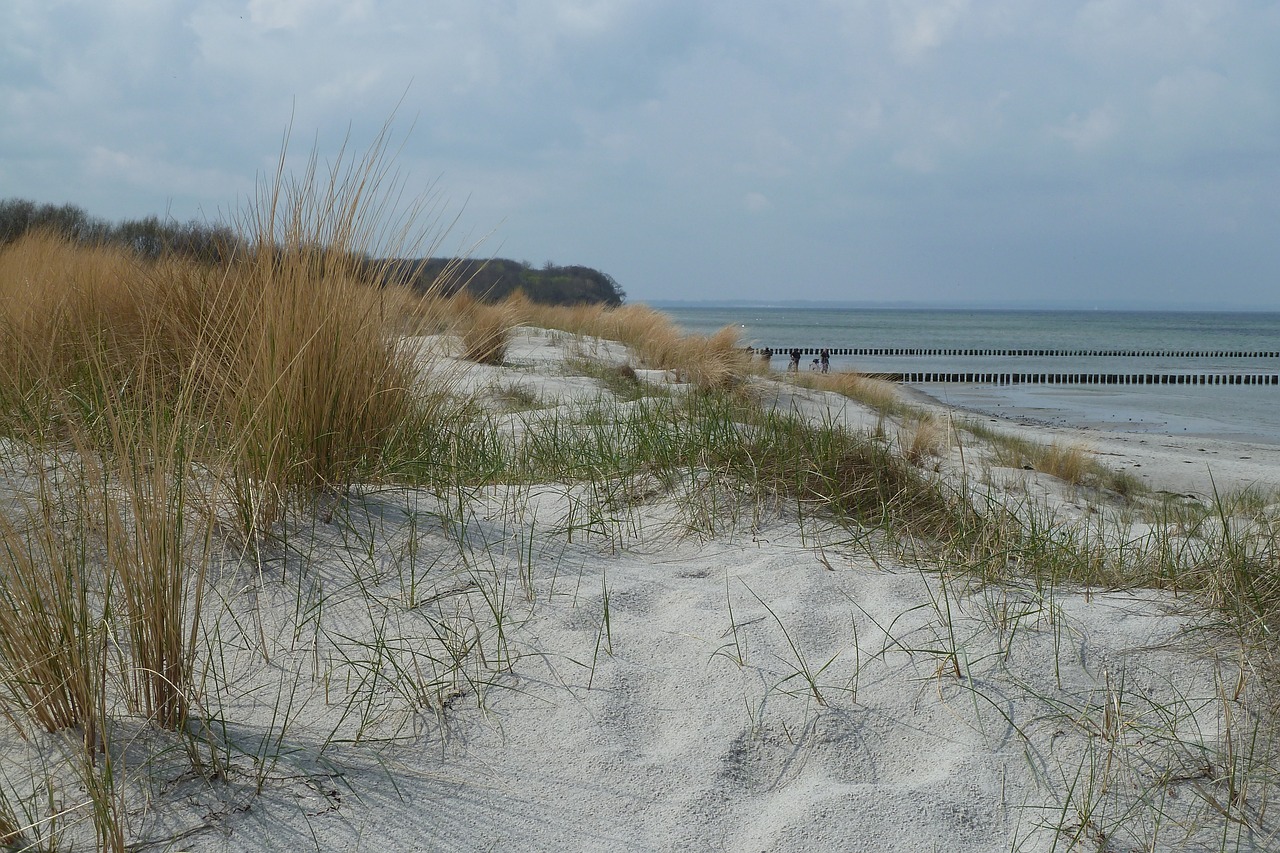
(164, 405)
(874, 393)
(184, 442)
(709, 362)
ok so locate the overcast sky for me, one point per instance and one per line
(1116, 153)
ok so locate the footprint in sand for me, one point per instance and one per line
(848, 747)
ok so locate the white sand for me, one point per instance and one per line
(757, 687)
(1179, 464)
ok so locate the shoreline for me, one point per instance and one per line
(1189, 464)
(1143, 342)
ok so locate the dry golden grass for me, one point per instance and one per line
(651, 334)
(875, 393)
(156, 544)
(486, 331)
(52, 646)
(275, 372)
(299, 349)
(713, 361)
(922, 438)
(707, 361)
(1070, 463)
(152, 396)
(581, 319)
(267, 347)
(60, 307)
(303, 375)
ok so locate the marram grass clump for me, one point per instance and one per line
(708, 362)
(486, 332)
(159, 410)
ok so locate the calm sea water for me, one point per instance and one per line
(1247, 413)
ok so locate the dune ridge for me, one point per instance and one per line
(668, 658)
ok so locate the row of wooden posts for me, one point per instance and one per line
(926, 377)
(1039, 353)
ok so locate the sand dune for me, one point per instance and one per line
(668, 676)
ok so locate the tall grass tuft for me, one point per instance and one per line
(63, 307)
(156, 549)
(1069, 463)
(53, 641)
(715, 361)
(292, 341)
(921, 438)
(877, 394)
(304, 381)
(486, 331)
(709, 362)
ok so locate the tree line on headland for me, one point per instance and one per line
(151, 237)
(498, 278)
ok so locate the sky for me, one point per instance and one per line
(1004, 153)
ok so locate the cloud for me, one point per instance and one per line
(911, 142)
(1088, 132)
(161, 176)
(278, 14)
(1145, 31)
(921, 27)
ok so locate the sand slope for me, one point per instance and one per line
(773, 689)
(667, 681)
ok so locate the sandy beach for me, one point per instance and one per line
(652, 673)
(1193, 465)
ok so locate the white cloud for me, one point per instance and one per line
(1189, 96)
(920, 27)
(269, 15)
(1088, 132)
(1145, 31)
(588, 17)
(619, 126)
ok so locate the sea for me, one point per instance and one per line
(1152, 342)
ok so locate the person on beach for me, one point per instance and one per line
(814, 365)
(795, 361)
(765, 355)
(825, 355)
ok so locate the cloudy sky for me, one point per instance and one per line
(1114, 153)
